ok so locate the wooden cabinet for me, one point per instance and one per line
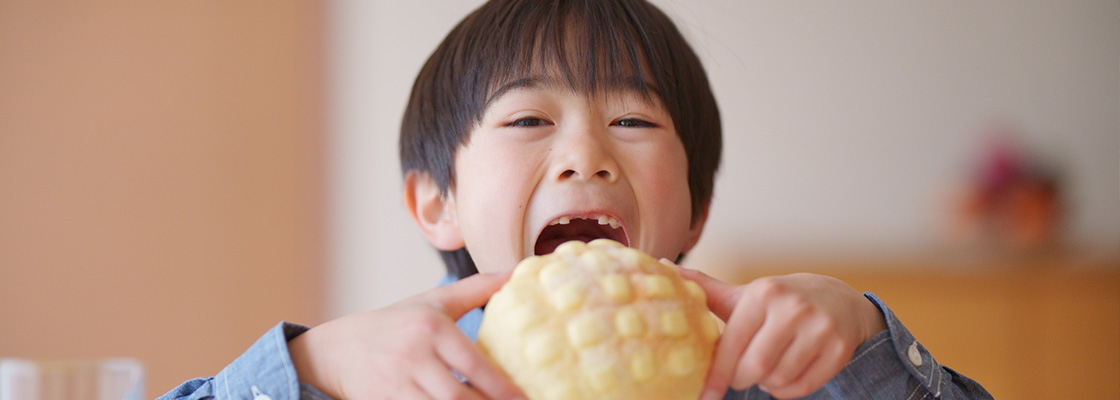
(160, 179)
(1026, 327)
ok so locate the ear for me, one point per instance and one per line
(696, 228)
(434, 214)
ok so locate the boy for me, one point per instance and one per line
(537, 122)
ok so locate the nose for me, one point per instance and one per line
(584, 155)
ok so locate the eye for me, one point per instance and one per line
(635, 123)
(528, 122)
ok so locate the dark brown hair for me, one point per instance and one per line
(589, 45)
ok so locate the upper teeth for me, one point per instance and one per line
(603, 220)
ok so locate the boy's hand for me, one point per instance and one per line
(406, 350)
(787, 334)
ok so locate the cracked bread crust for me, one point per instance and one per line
(600, 320)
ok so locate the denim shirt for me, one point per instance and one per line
(891, 365)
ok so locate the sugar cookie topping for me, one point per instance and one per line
(603, 321)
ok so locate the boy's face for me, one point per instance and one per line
(548, 164)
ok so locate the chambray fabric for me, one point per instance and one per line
(264, 372)
(881, 369)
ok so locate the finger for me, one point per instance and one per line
(827, 364)
(794, 361)
(467, 294)
(437, 381)
(411, 391)
(741, 328)
(722, 296)
(764, 351)
(460, 354)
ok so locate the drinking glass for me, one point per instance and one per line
(101, 379)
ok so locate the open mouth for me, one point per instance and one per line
(584, 228)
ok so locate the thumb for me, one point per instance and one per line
(722, 296)
(467, 294)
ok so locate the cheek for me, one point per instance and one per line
(673, 187)
(664, 180)
(489, 206)
(666, 166)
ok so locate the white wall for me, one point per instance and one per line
(844, 123)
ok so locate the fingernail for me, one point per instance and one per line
(710, 394)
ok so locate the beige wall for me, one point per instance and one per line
(159, 179)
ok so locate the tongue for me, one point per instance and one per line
(578, 229)
(547, 246)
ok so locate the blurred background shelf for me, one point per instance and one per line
(1040, 327)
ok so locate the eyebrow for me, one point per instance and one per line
(629, 83)
(632, 83)
(532, 82)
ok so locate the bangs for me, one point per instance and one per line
(588, 46)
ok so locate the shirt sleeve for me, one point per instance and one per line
(263, 372)
(894, 365)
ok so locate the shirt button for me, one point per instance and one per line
(914, 354)
(257, 395)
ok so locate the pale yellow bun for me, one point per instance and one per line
(600, 321)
